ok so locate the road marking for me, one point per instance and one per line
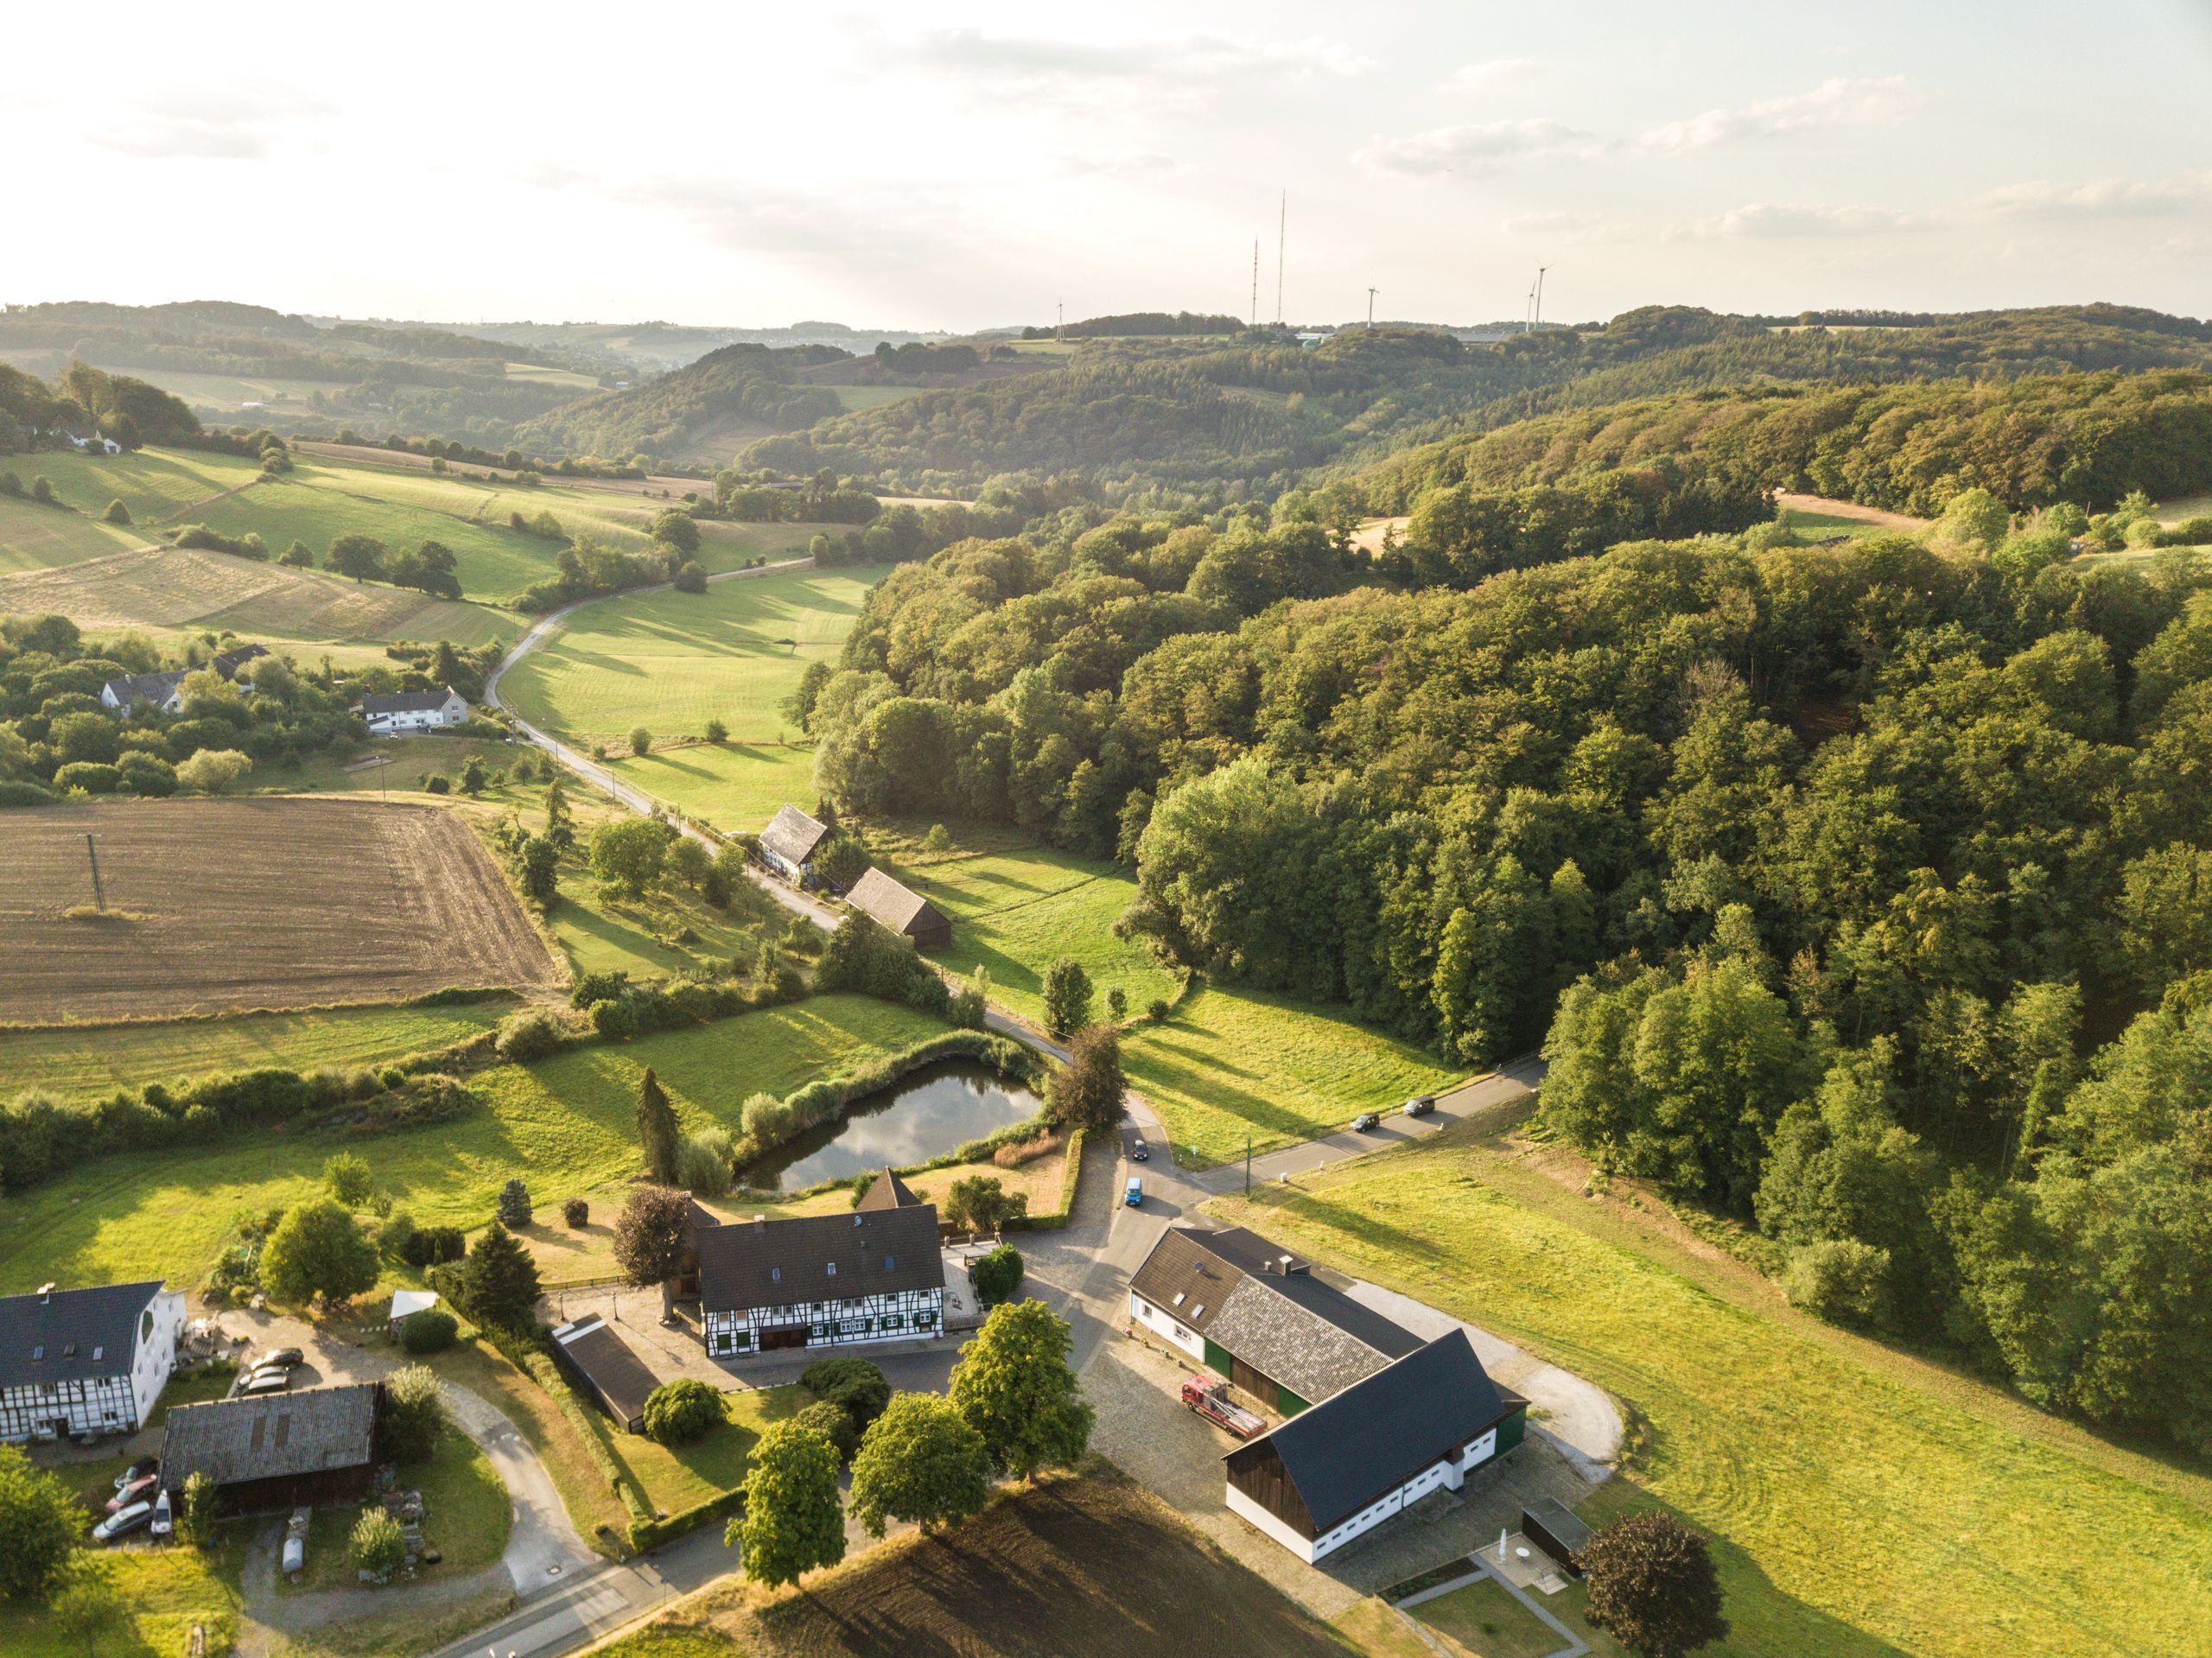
(573, 1619)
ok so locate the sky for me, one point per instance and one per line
(930, 167)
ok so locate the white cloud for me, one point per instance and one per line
(1037, 57)
(1116, 167)
(1776, 220)
(1477, 149)
(1489, 74)
(242, 124)
(1838, 102)
(2099, 199)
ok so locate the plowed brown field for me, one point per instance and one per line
(254, 902)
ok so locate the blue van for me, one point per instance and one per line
(1133, 1194)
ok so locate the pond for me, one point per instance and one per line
(927, 1113)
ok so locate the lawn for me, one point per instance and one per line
(1091, 1564)
(568, 1124)
(734, 786)
(81, 1062)
(158, 486)
(1233, 1062)
(467, 1516)
(1489, 1623)
(1819, 526)
(672, 661)
(676, 1478)
(1861, 1502)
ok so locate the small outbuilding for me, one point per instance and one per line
(1556, 1529)
(604, 1363)
(405, 1304)
(901, 909)
(278, 1450)
(787, 845)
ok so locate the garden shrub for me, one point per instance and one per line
(682, 1411)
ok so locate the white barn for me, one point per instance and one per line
(875, 1274)
(85, 1362)
(389, 713)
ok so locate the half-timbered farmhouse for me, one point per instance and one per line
(871, 1275)
(787, 844)
(81, 1361)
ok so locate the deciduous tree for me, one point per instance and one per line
(919, 1461)
(1653, 1587)
(318, 1248)
(1014, 1386)
(791, 1523)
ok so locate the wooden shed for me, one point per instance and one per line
(903, 910)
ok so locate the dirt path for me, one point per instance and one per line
(201, 505)
(1835, 508)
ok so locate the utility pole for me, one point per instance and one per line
(100, 900)
(1256, 281)
(1371, 293)
(1282, 229)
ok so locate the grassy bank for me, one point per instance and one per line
(1862, 1503)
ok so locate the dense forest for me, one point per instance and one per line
(1855, 890)
(751, 384)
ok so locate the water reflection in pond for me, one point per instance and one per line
(926, 1113)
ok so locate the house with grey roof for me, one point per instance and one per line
(275, 1451)
(85, 1362)
(161, 693)
(1421, 1424)
(869, 1275)
(1259, 1316)
(608, 1369)
(788, 844)
(389, 713)
(898, 907)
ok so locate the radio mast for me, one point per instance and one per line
(1283, 226)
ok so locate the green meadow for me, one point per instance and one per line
(672, 661)
(734, 786)
(1862, 1504)
(567, 1125)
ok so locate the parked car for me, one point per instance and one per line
(282, 1356)
(138, 1469)
(121, 1521)
(1133, 1194)
(1421, 1105)
(164, 1523)
(1365, 1122)
(139, 1490)
(1140, 1152)
(266, 1382)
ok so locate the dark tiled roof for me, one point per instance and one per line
(791, 835)
(887, 1190)
(234, 1440)
(229, 662)
(69, 1326)
(1303, 1332)
(151, 688)
(374, 703)
(1372, 1437)
(896, 905)
(779, 1263)
(621, 1376)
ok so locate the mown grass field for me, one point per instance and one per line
(569, 1123)
(1091, 1564)
(676, 1478)
(672, 661)
(84, 1061)
(155, 486)
(1233, 1062)
(1228, 1062)
(1862, 1503)
(1488, 1623)
(734, 786)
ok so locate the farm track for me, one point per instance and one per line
(249, 903)
(203, 504)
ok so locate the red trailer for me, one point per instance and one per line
(1210, 1400)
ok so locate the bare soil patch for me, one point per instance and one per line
(269, 903)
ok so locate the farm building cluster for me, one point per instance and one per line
(1373, 1417)
(787, 847)
(163, 692)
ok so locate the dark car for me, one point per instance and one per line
(137, 1471)
(1365, 1122)
(285, 1355)
(1421, 1105)
(1140, 1152)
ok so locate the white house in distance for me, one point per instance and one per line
(872, 1274)
(387, 714)
(81, 1361)
(162, 692)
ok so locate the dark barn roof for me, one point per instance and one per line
(618, 1375)
(405, 702)
(1267, 1307)
(887, 1190)
(65, 1329)
(896, 905)
(791, 835)
(237, 1440)
(819, 1258)
(1377, 1434)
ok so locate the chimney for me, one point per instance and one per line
(760, 1220)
